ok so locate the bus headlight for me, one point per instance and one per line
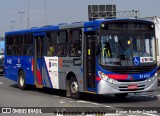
(154, 77)
(104, 77)
(156, 74)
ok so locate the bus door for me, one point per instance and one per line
(89, 62)
(38, 53)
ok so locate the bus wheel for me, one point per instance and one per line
(74, 89)
(21, 80)
(121, 95)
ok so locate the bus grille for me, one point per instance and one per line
(125, 88)
(129, 69)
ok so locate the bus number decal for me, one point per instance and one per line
(9, 61)
(144, 76)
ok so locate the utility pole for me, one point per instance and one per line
(21, 13)
(12, 25)
(28, 14)
(45, 12)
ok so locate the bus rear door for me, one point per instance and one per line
(38, 53)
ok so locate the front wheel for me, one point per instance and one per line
(74, 88)
(21, 80)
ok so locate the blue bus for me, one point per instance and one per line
(2, 43)
(111, 56)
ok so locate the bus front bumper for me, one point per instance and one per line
(147, 85)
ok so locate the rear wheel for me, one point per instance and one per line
(74, 88)
(21, 80)
(121, 95)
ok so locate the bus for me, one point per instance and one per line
(2, 43)
(105, 56)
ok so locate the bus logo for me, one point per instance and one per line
(130, 77)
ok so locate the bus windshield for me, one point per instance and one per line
(127, 50)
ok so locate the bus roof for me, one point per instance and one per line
(88, 24)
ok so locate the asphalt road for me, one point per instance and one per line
(12, 96)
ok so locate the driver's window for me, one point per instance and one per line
(108, 46)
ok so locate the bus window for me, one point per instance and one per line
(51, 37)
(17, 50)
(9, 47)
(61, 50)
(9, 50)
(28, 50)
(28, 45)
(62, 37)
(75, 38)
(75, 50)
(9, 40)
(61, 46)
(50, 50)
(18, 40)
(28, 39)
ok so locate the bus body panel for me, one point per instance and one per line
(65, 64)
(14, 64)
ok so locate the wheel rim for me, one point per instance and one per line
(21, 81)
(74, 87)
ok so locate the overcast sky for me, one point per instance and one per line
(64, 11)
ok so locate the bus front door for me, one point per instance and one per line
(38, 52)
(89, 62)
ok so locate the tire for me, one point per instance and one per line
(21, 80)
(74, 88)
(121, 95)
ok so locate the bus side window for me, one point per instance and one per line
(9, 45)
(29, 50)
(18, 39)
(75, 38)
(62, 50)
(62, 46)
(50, 50)
(28, 45)
(9, 50)
(17, 50)
(51, 41)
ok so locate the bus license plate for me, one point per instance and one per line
(130, 87)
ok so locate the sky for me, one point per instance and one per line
(63, 11)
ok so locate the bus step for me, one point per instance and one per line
(39, 86)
